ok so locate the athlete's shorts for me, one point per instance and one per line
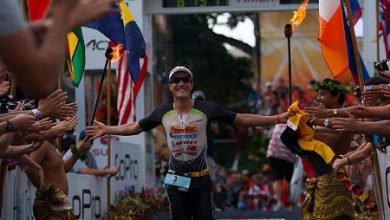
(196, 202)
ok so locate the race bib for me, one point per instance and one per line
(181, 182)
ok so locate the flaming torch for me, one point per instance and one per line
(288, 32)
(113, 53)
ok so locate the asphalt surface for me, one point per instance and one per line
(241, 215)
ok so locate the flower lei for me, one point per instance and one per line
(331, 86)
(44, 194)
(361, 194)
(76, 153)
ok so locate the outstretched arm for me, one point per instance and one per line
(99, 172)
(259, 120)
(99, 129)
(357, 111)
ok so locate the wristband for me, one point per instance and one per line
(278, 120)
(37, 114)
(348, 160)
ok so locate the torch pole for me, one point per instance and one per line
(288, 32)
(108, 56)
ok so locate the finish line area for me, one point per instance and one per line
(244, 215)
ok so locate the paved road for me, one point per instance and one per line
(280, 215)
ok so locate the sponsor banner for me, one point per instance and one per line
(99, 150)
(128, 157)
(19, 195)
(88, 195)
(95, 48)
(384, 167)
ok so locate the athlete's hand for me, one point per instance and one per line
(97, 130)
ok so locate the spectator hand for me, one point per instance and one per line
(41, 125)
(69, 123)
(350, 124)
(338, 162)
(111, 170)
(4, 87)
(50, 106)
(23, 122)
(317, 111)
(89, 10)
(85, 145)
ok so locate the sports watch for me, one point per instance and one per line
(9, 126)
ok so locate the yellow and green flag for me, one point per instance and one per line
(76, 53)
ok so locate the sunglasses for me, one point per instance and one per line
(184, 79)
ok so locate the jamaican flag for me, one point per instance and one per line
(76, 56)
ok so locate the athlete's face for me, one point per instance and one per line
(181, 85)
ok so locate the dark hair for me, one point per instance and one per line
(82, 135)
(335, 88)
(377, 80)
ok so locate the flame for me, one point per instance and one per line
(116, 53)
(299, 15)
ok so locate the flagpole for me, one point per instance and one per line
(108, 58)
(288, 32)
(354, 44)
(377, 32)
(360, 75)
(109, 79)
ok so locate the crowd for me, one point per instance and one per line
(327, 116)
(30, 127)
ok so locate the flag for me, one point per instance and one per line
(37, 8)
(76, 56)
(75, 41)
(121, 28)
(384, 25)
(356, 11)
(336, 42)
(127, 91)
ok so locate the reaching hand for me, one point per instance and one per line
(23, 122)
(97, 130)
(338, 162)
(349, 124)
(42, 125)
(317, 111)
(89, 10)
(50, 106)
(85, 145)
(4, 87)
(69, 124)
(66, 110)
(111, 170)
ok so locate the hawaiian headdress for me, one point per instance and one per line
(332, 86)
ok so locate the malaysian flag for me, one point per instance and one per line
(384, 25)
(127, 90)
(121, 28)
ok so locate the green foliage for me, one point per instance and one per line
(254, 156)
(137, 206)
(224, 78)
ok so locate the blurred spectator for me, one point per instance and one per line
(281, 161)
(88, 166)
